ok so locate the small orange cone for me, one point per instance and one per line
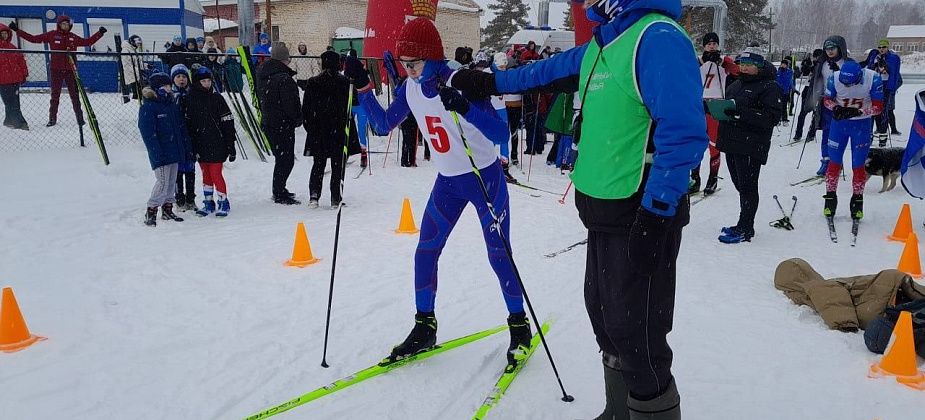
(910, 263)
(406, 224)
(899, 360)
(302, 250)
(14, 334)
(903, 225)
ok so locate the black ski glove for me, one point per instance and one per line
(474, 83)
(646, 239)
(354, 71)
(833, 66)
(232, 156)
(845, 113)
(711, 56)
(13, 26)
(453, 100)
(102, 30)
(732, 113)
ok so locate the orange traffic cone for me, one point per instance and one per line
(302, 250)
(910, 263)
(903, 225)
(14, 334)
(406, 224)
(899, 360)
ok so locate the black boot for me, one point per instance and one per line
(710, 188)
(364, 159)
(151, 216)
(423, 337)
(285, 199)
(666, 406)
(519, 326)
(831, 204)
(51, 123)
(856, 205)
(190, 180)
(168, 214)
(615, 391)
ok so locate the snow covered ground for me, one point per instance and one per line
(201, 320)
(914, 63)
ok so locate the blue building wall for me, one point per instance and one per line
(102, 75)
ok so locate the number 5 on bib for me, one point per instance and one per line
(439, 138)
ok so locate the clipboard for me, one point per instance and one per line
(718, 107)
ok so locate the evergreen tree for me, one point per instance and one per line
(746, 20)
(568, 23)
(510, 17)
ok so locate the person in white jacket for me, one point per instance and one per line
(132, 66)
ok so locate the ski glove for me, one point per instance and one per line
(102, 30)
(13, 26)
(732, 113)
(845, 113)
(232, 157)
(474, 83)
(647, 236)
(833, 66)
(354, 70)
(453, 100)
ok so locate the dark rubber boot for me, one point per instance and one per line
(664, 407)
(615, 391)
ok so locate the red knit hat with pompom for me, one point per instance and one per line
(419, 38)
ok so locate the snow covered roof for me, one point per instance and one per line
(906, 31)
(212, 24)
(348, 33)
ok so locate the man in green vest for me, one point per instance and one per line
(642, 130)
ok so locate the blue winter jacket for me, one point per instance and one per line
(785, 80)
(893, 63)
(163, 129)
(671, 90)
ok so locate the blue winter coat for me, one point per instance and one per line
(785, 80)
(163, 130)
(675, 103)
(893, 63)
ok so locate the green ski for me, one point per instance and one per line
(91, 116)
(372, 372)
(245, 54)
(508, 377)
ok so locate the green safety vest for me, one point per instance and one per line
(616, 124)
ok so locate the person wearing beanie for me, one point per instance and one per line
(716, 73)
(212, 135)
(785, 82)
(635, 211)
(215, 67)
(186, 171)
(13, 73)
(200, 43)
(282, 114)
(853, 95)
(460, 171)
(164, 134)
(193, 59)
(172, 55)
(234, 73)
(61, 68)
(886, 63)
(745, 136)
(324, 116)
(835, 52)
(806, 69)
(133, 67)
(261, 52)
(303, 66)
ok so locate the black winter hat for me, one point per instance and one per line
(202, 74)
(710, 37)
(330, 60)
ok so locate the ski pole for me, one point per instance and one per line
(387, 146)
(340, 207)
(569, 187)
(794, 208)
(536, 121)
(510, 255)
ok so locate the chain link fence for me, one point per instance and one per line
(113, 82)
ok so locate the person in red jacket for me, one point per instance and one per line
(62, 69)
(13, 72)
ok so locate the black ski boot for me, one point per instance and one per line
(51, 123)
(519, 326)
(285, 200)
(615, 391)
(857, 206)
(831, 203)
(168, 214)
(181, 201)
(710, 188)
(666, 406)
(694, 185)
(151, 216)
(423, 337)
